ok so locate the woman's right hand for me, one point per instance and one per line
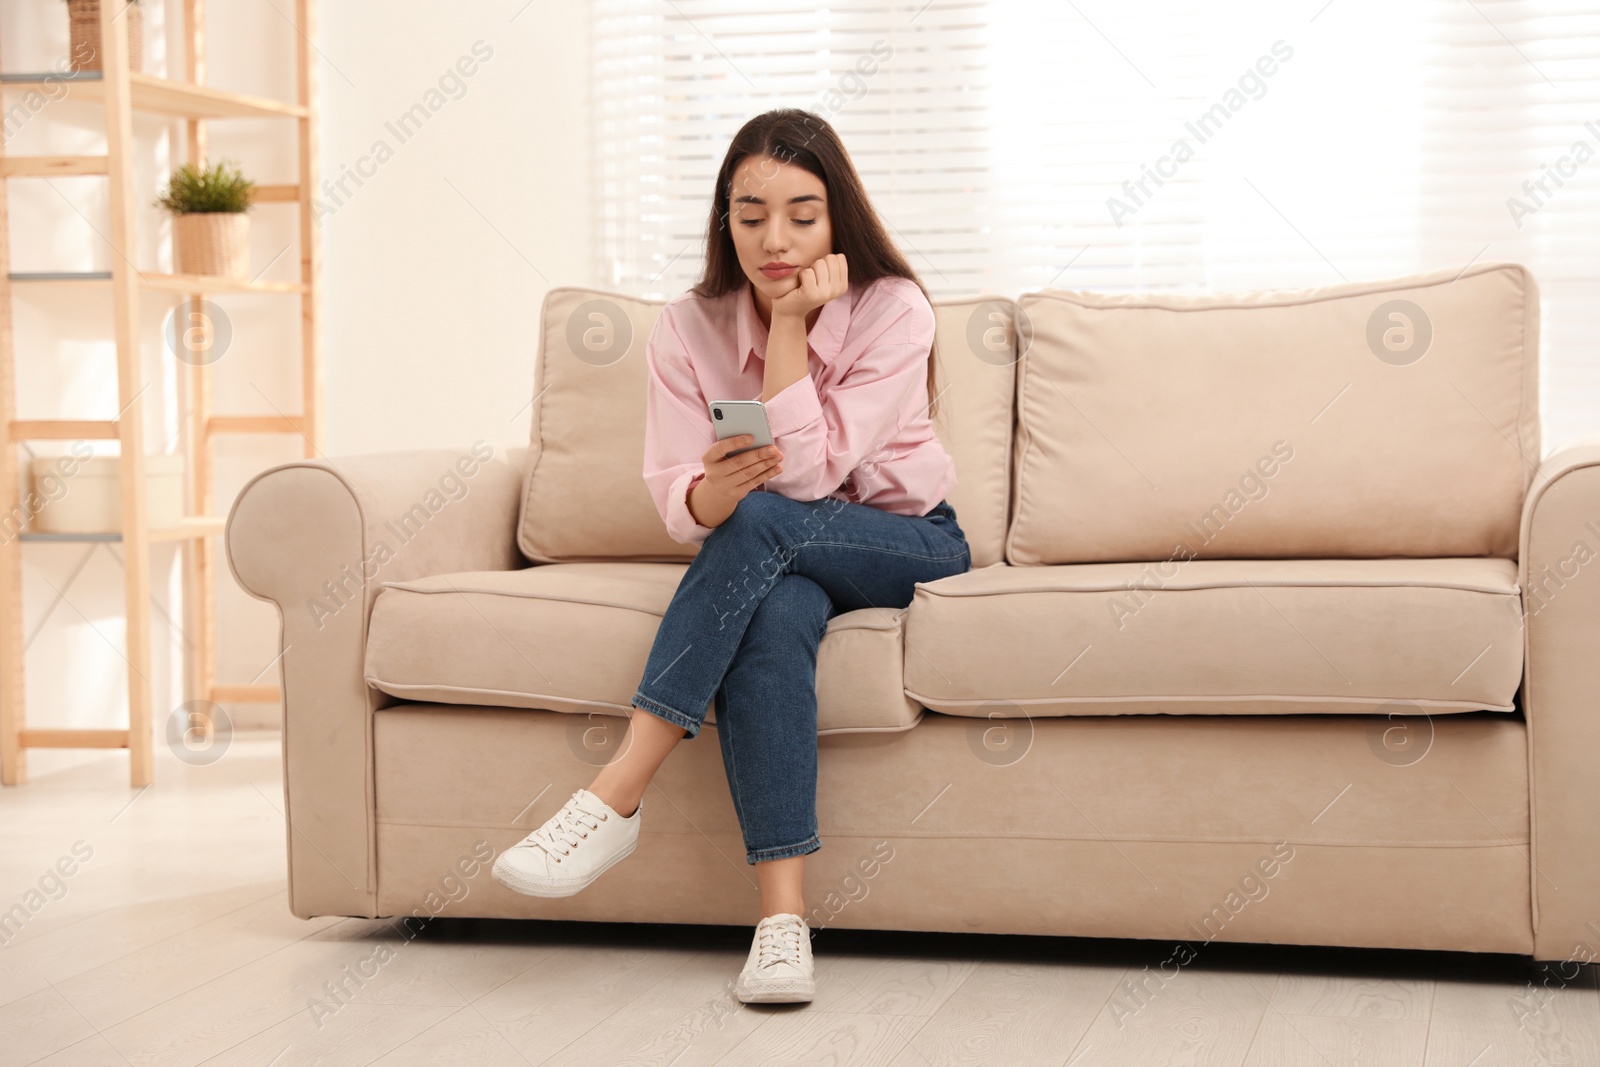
(731, 477)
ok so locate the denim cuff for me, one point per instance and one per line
(672, 715)
(810, 844)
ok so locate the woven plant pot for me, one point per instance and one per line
(84, 16)
(212, 242)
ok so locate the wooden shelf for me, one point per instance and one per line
(217, 424)
(107, 430)
(59, 277)
(99, 166)
(200, 283)
(53, 166)
(160, 96)
(74, 738)
(63, 429)
(191, 527)
(122, 94)
(162, 283)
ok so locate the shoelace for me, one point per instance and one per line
(567, 829)
(780, 942)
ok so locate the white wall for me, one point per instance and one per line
(435, 265)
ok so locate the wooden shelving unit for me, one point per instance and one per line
(122, 93)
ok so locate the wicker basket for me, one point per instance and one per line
(212, 242)
(84, 16)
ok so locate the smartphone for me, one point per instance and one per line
(734, 417)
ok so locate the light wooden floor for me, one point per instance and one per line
(173, 944)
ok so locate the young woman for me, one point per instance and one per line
(805, 304)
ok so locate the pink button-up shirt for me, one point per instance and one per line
(855, 427)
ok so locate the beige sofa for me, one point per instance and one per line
(1278, 631)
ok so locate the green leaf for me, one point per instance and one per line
(192, 191)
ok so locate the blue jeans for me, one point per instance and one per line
(743, 627)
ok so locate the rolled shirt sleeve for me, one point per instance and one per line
(677, 430)
(824, 439)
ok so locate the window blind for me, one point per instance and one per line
(1166, 146)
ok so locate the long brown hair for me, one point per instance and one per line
(790, 135)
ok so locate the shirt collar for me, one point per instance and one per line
(826, 337)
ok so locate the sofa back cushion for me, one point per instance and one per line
(976, 341)
(585, 497)
(1370, 419)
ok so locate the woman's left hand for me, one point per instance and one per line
(825, 279)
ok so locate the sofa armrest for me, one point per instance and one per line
(316, 538)
(1558, 567)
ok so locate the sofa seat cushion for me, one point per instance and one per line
(574, 637)
(1244, 637)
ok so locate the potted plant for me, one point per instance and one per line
(84, 18)
(209, 221)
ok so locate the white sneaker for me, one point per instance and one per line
(575, 846)
(778, 969)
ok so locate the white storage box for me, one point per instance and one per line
(84, 495)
